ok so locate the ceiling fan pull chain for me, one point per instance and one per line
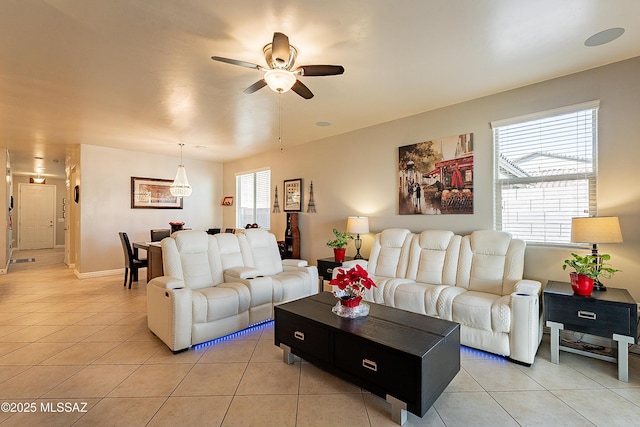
(280, 122)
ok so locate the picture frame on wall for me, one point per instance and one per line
(153, 193)
(227, 201)
(293, 195)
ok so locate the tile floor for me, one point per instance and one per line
(77, 352)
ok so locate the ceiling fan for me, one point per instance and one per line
(280, 76)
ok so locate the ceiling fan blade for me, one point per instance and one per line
(320, 70)
(254, 87)
(299, 88)
(236, 62)
(280, 49)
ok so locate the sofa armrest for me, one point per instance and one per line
(235, 273)
(169, 311)
(166, 282)
(528, 287)
(294, 263)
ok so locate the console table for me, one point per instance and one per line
(406, 358)
(611, 314)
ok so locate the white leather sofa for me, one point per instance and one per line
(475, 280)
(214, 285)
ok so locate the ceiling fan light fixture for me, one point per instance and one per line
(279, 80)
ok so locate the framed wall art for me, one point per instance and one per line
(293, 195)
(227, 201)
(152, 193)
(436, 176)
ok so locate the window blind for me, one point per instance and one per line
(545, 172)
(253, 199)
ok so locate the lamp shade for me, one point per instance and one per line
(357, 225)
(279, 80)
(180, 186)
(596, 229)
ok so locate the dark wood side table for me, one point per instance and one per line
(325, 269)
(611, 314)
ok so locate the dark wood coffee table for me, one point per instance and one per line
(406, 358)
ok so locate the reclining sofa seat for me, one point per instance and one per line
(475, 280)
(218, 284)
(291, 278)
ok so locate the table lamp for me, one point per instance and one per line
(594, 230)
(358, 225)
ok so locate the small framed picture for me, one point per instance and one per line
(293, 195)
(227, 201)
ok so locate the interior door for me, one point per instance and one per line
(37, 214)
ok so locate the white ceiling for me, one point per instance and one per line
(137, 74)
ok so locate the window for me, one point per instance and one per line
(253, 199)
(545, 172)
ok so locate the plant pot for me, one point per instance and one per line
(582, 285)
(351, 302)
(338, 254)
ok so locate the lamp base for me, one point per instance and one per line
(357, 256)
(598, 286)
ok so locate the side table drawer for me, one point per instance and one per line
(595, 319)
(302, 335)
(396, 372)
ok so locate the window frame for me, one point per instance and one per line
(587, 201)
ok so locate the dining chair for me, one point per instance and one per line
(131, 261)
(159, 234)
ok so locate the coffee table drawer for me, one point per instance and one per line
(303, 336)
(392, 370)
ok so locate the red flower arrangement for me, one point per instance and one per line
(352, 285)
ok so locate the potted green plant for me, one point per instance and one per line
(338, 244)
(587, 270)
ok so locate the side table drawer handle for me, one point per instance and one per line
(587, 315)
(370, 364)
(299, 335)
(329, 270)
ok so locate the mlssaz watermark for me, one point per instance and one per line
(50, 407)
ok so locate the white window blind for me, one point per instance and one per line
(253, 199)
(545, 172)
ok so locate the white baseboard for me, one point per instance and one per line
(102, 273)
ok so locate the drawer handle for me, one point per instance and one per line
(586, 315)
(299, 335)
(370, 364)
(329, 270)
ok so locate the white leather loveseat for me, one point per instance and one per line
(218, 284)
(475, 280)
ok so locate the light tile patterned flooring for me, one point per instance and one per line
(69, 341)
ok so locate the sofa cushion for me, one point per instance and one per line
(260, 250)
(389, 255)
(481, 310)
(187, 257)
(433, 257)
(417, 297)
(290, 285)
(490, 261)
(220, 302)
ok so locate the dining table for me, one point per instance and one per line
(154, 257)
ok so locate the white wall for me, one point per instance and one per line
(356, 173)
(105, 202)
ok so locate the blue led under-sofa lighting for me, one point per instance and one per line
(249, 329)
